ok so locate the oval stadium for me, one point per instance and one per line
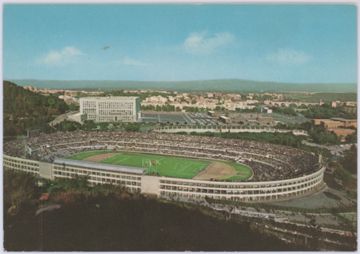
(171, 165)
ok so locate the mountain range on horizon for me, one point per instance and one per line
(220, 85)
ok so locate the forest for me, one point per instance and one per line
(107, 218)
(25, 110)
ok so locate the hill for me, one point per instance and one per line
(24, 109)
(226, 85)
(103, 218)
(326, 97)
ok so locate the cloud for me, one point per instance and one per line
(60, 57)
(202, 43)
(132, 62)
(289, 56)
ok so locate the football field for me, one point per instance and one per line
(163, 165)
(170, 166)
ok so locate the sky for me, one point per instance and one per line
(283, 43)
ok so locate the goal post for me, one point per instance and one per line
(150, 165)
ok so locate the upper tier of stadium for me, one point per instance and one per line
(269, 162)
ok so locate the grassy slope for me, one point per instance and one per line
(171, 166)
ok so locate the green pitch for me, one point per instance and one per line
(171, 166)
(163, 165)
(86, 154)
(243, 172)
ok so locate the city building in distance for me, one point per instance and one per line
(110, 109)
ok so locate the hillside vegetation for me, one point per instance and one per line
(24, 109)
(106, 218)
(325, 97)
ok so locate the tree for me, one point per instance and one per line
(349, 161)
(24, 109)
(285, 110)
(73, 107)
(19, 187)
(132, 127)
(352, 138)
(78, 183)
(68, 126)
(326, 111)
(89, 125)
(321, 135)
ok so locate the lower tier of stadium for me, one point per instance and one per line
(279, 172)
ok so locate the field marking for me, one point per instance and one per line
(172, 165)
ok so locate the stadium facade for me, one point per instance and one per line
(110, 109)
(290, 181)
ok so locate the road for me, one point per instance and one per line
(334, 149)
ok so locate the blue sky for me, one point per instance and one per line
(289, 43)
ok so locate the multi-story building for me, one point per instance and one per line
(340, 126)
(336, 122)
(110, 109)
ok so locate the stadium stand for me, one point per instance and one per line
(279, 172)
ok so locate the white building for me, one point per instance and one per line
(110, 109)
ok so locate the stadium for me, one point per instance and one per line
(171, 165)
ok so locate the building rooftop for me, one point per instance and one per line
(342, 119)
(110, 98)
(99, 166)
